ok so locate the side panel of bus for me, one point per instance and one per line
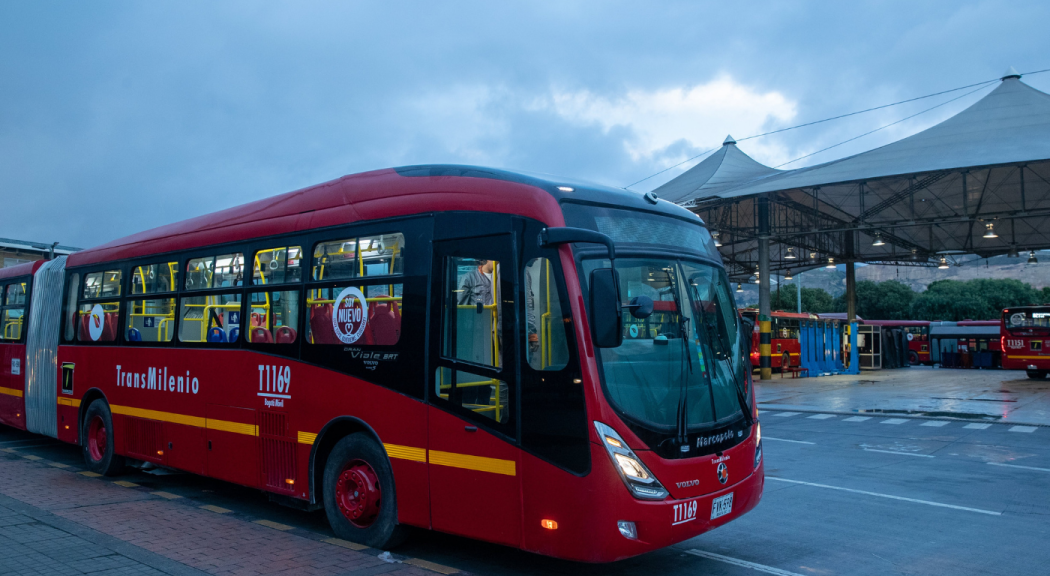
(13, 351)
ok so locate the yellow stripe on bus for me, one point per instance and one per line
(235, 427)
(1012, 357)
(158, 415)
(307, 437)
(468, 462)
(406, 452)
(11, 392)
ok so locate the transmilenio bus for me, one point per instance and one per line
(1024, 333)
(453, 348)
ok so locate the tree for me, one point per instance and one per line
(815, 300)
(980, 299)
(889, 300)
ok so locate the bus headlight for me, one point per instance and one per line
(758, 444)
(638, 479)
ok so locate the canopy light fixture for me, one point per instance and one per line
(715, 234)
(566, 188)
(739, 287)
(787, 275)
(990, 233)
(878, 240)
(831, 263)
(813, 255)
(944, 263)
(1031, 258)
(757, 281)
(1013, 252)
(790, 254)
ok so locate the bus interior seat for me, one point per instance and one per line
(261, 335)
(257, 319)
(134, 335)
(321, 324)
(385, 319)
(109, 330)
(235, 333)
(216, 334)
(285, 335)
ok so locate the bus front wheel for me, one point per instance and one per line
(1036, 374)
(96, 440)
(913, 358)
(359, 497)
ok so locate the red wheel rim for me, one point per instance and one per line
(96, 438)
(358, 494)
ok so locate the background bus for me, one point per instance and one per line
(784, 348)
(1025, 334)
(917, 332)
(444, 347)
(965, 344)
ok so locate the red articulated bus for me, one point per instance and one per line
(1024, 336)
(918, 333)
(784, 348)
(553, 366)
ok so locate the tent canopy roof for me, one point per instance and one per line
(718, 173)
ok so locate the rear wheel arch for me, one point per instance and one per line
(89, 397)
(332, 432)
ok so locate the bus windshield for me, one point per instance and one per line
(680, 369)
(1029, 320)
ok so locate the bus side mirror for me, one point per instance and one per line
(606, 308)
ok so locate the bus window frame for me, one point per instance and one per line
(132, 265)
(288, 350)
(25, 307)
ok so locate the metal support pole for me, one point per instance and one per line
(851, 292)
(798, 288)
(764, 335)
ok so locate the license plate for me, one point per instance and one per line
(721, 506)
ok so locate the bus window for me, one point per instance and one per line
(154, 278)
(12, 319)
(71, 307)
(336, 315)
(15, 294)
(102, 284)
(547, 348)
(382, 255)
(277, 265)
(221, 271)
(472, 317)
(98, 321)
(273, 317)
(336, 260)
(485, 396)
(151, 320)
(213, 318)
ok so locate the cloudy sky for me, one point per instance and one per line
(120, 116)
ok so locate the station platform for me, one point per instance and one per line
(1006, 396)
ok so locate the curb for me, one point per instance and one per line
(916, 416)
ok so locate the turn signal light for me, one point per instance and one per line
(549, 524)
(160, 452)
(289, 481)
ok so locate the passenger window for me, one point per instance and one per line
(353, 314)
(547, 348)
(71, 307)
(151, 320)
(336, 260)
(15, 294)
(485, 396)
(277, 265)
(472, 314)
(382, 255)
(221, 271)
(98, 321)
(93, 285)
(12, 318)
(111, 284)
(214, 318)
(274, 317)
(155, 278)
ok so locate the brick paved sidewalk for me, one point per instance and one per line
(57, 520)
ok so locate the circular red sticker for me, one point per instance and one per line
(349, 315)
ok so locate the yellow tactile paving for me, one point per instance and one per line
(432, 566)
(274, 525)
(345, 544)
(125, 484)
(215, 509)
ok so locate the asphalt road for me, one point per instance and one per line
(871, 495)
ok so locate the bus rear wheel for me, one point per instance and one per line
(1036, 374)
(913, 358)
(96, 439)
(359, 496)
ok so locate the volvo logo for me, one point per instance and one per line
(723, 473)
(688, 483)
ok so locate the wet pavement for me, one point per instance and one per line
(979, 395)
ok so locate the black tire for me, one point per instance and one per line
(100, 459)
(1036, 374)
(913, 358)
(383, 531)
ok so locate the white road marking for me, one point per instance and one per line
(1028, 429)
(937, 423)
(857, 418)
(889, 496)
(741, 563)
(894, 421)
(786, 414)
(976, 426)
(1017, 466)
(821, 416)
(898, 453)
(786, 440)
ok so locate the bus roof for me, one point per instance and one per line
(375, 195)
(782, 314)
(21, 269)
(897, 322)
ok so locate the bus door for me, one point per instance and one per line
(473, 457)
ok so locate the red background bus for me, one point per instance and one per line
(918, 334)
(1024, 336)
(784, 348)
(432, 346)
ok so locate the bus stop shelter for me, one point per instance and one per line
(977, 183)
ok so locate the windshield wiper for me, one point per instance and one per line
(683, 389)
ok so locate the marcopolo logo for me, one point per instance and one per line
(350, 315)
